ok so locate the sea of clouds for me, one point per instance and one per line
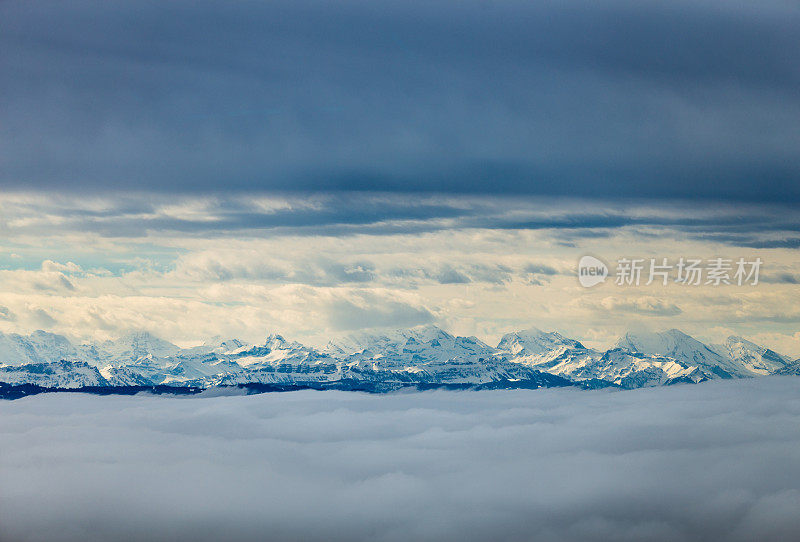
(716, 461)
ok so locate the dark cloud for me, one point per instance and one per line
(540, 269)
(663, 99)
(791, 242)
(54, 282)
(251, 265)
(324, 271)
(750, 240)
(753, 226)
(715, 461)
(6, 314)
(352, 272)
(782, 278)
(495, 274)
(538, 274)
(448, 275)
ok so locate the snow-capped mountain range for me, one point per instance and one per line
(424, 356)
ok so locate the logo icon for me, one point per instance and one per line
(591, 271)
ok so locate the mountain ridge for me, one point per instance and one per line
(422, 356)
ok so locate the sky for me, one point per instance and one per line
(242, 168)
(719, 461)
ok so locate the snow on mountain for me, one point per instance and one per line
(38, 347)
(623, 368)
(412, 348)
(127, 376)
(278, 351)
(57, 374)
(377, 342)
(425, 355)
(136, 345)
(556, 354)
(755, 358)
(678, 345)
(216, 345)
(277, 361)
(534, 342)
(545, 350)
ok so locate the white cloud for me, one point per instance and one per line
(69, 267)
(717, 461)
(136, 269)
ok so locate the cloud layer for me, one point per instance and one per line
(191, 267)
(256, 214)
(717, 461)
(657, 98)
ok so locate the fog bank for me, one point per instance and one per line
(719, 460)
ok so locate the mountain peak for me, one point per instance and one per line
(528, 332)
(275, 341)
(757, 358)
(654, 342)
(676, 344)
(735, 339)
(140, 343)
(420, 354)
(38, 347)
(425, 333)
(534, 342)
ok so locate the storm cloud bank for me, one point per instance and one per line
(718, 461)
(649, 99)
